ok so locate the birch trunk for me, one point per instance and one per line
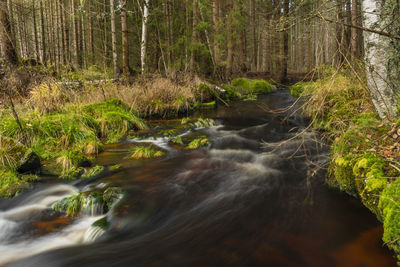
(381, 60)
(144, 35)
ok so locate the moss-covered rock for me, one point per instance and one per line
(15, 156)
(249, 86)
(11, 183)
(93, 203)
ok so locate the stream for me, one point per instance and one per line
(255, 197)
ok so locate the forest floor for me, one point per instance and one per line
(365, 152)
(59, 126)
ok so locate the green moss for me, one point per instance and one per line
(248, 86)
(297, 89)
(211, 104)
(115, 167)
(12, 183)
(231, 93)
(343, 171)
(167, 132)
(92, 172)
(198, 143)
(103, 223)
(177, 140)
(146, 152)
(390, 210)
(185, 120)
(87, 201)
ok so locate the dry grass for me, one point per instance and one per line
(47, 96)
(151, 95)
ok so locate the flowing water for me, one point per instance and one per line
(255, 197)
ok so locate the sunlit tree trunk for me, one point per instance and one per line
(144, 35)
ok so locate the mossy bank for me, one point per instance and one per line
(365, 152)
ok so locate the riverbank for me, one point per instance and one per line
(59, 128)
(365, 152)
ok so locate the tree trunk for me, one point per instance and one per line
(75, 34)
(354, 44)
(34, 31)
(229, 37)
(91, 35)
(43, 33)
(381, 59)
(215, 20)
(194, 37)
(285, 41)
(143, 45)
(8, 52)
(114, 40)
(253, 39)
(125, 46)
(66, 24)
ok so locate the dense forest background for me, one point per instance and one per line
(211, 37)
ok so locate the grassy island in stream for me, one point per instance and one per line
(365, 152)
(62, 125)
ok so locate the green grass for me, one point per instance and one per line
(12, 183)
(198, 143)
(146, 152)
(66, 136)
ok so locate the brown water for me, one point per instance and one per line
(245, 201)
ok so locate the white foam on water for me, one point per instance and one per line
(161, 142)
(78, 233)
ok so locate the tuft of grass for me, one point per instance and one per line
(198, 143)
(94, 171)
(202, 123)
(146, 152)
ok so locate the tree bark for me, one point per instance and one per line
(215, 20)
(285, 41)
(43, 33)
(381, 59)
(354, 34)
(144, 35)
(114, 40)
(194, 37)
(253, 39)
(7, 49)
(125, 45)
(34, 31)
(75, 34)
